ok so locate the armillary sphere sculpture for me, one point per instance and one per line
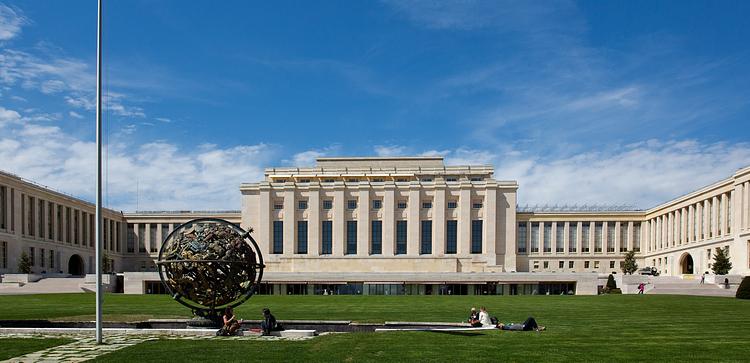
(208, 264)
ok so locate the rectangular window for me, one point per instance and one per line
(451, 238)
(451, 179)
(302, 237)
(611, 237)
(546, 264)
(376, 237)
(51, 260)
(118, 233)
(534, 237)
(3, 210)
(623, 237)
(426, 205)
(278, 205)
(586, 237)
(41, 257)
(598, 236)
(452, 204)
(561, 264)
(476, 236)
(12, 209)
(476, 204)
(59, 223)
(164, 233)
(586, 264)
(426, 246)
(547, 237)
(572, 237)
(302, 205)
(401, 204)
(154, 241)
(40, 221)
(637, 237)
(327, 240)
(327, 204)
(521, 239)
(68, 225)
(351, 237)
(596, 264)
(91, 229)
(131, 238)
(571, 264)
(278, 237)
(611, 264)
(351, 204)
(400, 237)
(32, 256)
(50, 220)
(560, 237)
(377, 204)
(30, 229)
(142, 237)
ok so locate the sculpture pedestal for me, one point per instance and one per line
(204, 322)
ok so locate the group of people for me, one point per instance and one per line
(232, 325)
(483, 319)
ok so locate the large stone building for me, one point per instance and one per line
(394, 226)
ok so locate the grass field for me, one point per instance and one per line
(13, 347)
(597, 328)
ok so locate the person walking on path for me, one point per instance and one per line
(703, 279)
(641, 288)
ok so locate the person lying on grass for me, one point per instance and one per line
(474, 318)
(528, 325)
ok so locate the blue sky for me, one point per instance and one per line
(582, 102)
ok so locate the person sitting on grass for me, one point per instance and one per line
(528, 325)
(484, 318)
(231, 324)
(269, 323)
(474, 318)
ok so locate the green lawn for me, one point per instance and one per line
(13, 347)
(597, 328)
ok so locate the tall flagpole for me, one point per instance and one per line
(98, 232)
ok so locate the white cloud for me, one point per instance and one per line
(75, 115)
(11, 21)
(642, 174)
(390, 150)
(164, 119)
(308, 158)
(154, 176)
(8, 116)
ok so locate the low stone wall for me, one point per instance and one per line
(21, 278)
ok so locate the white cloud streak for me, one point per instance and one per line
(153, 176)
(11, 21)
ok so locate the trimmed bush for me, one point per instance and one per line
(24, 263)
(743, 292)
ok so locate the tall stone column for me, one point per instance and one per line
(438, 220)
(389, 220)
(264, 224)
(290, 220)
(464, 220)
(413, 222)
(313, 221)
(339, 220)
(363, 220)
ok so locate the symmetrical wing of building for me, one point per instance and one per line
(392, 226)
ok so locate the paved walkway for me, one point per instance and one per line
(85, 348)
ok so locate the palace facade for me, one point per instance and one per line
(394, 226)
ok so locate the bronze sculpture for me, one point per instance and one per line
(209, 264)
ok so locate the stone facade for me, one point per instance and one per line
(387, 218)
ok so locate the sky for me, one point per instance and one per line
(591, 102)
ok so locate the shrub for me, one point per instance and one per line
(721, 265)
(24, 263)
(743, 292)
(629, 265)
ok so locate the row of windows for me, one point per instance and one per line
(626, 235)
(376, 204)
(376, 237)
(151, 229)
(50, 221)
(449, 179)
(46, 258)
(696, 222)
(545, 265)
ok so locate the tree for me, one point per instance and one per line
(106, 264)
(721, 265)
(743, 292)
(611, 287)
(24, 263)
(629, 266)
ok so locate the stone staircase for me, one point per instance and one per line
(689, 285)
(50, 285)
